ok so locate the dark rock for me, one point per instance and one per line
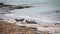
(57, 11)
(31, 22)
(57, 23)
(19, 7)
(7, 5)
(19, 19)
(2, 13)
(1, 4)
(27, 6)
(1, 19)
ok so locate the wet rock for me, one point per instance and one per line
(57, 24)
(1, 19)
(27, 6)
(7, 5)
(19, 7)
(57, 11)
(1, 4)
(19, 19)
(31, 22)
(2, 13)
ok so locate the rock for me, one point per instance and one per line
(30, 22)
(57, 24)
(1, 19)
(10, 20)
(19, 7)
(1, 4)
(2, 13)
(19, 19)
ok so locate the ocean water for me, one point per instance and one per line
(42, 10)
(19, 2)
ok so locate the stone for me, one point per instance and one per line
(30, 22)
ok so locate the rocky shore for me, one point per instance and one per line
(9, 28)
(24, 21)
(41, 29)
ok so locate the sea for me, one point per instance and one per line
(42, 10)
